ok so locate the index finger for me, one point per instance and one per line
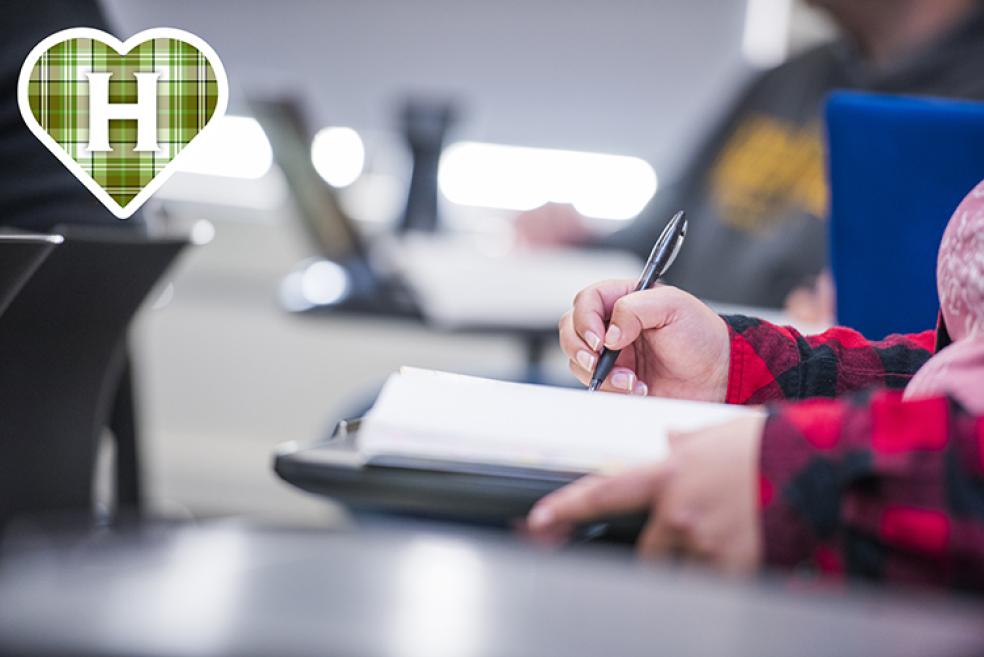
(595, 497)
(593, 306)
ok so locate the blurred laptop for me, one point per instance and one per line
(451, 281)
(330, 229)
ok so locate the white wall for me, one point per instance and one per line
(638, 77)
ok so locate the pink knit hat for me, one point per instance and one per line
(960, 268)
(958, 370)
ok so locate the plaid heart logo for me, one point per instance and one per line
(118, 114)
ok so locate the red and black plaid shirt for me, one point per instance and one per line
(866, 484)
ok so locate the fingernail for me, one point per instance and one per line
(612, 336)
(592, 339)
(640, 389)
(540, 517)
(586, 360)
(623, 381)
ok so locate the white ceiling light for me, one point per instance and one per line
(235, 147)
(521, 178)
(765, 42)
(338, 155)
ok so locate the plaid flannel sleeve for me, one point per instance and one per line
(877, 487)
(770, 362)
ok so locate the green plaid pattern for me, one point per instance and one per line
(187, 94)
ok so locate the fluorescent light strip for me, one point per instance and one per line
(765, 42)
(520, 178)
(235, 147)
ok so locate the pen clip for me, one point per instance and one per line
(676, 229)
(664, 252)
(676, 248)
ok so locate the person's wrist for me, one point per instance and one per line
(722, 372)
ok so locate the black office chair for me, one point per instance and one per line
(20, 255)
(62, 350)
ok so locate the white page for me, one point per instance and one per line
(450, 417)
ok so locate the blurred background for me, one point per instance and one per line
(224, 374)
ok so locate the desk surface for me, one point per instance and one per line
(225, 590)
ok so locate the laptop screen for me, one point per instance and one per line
(332, 230)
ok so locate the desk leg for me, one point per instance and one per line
(536, 349)
(123, 423)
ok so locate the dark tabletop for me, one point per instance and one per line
(227, 590)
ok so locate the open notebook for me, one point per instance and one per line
(424, 416)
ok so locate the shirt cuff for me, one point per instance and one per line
(750, 381)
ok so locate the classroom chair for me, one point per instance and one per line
(20, 256)
(898, 168)
(62, 347)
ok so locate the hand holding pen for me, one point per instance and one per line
(660, 258)
(668, 343)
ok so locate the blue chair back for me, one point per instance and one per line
(898, 168)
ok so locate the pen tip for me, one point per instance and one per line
(594, 385)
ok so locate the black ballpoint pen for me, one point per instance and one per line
(662, 256)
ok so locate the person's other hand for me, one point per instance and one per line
(672, 344)
(813, 304)
(703, 500)
(551, 224)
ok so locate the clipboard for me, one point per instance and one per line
(438, 490)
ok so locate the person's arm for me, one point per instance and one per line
(770, 362)
(877, 487)
(673, 345)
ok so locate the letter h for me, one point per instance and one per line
(101, 111)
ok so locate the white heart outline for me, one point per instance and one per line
(122, 48)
